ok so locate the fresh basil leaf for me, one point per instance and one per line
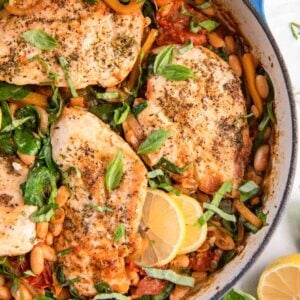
(177, 72)
(154, 141)
(121, 114)
(224, 189)
(26, 141)
(221, 213)
(70, 281)
(166, 187)
(236, 294)
(74, 293)
(45, 213)
(295, 27)
(100, 208)
(64, 252)
(105, 111)
(137, 109)
(40, 186)
(209, 25)
(43, 298)
(186, 47)
(15, 124)
(155, 173)
(171, 276)
(248, 190)
(64, 65)
(119, 232)
(116, 296)
(169, 166)
(114, 172)
(11, 91)
(163, 59)
(102, 287)
(193, 26)
(270, 112)
(185, 12)
(40, 39)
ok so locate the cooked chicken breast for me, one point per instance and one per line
(205, 118)
(100, 46)
(81, 140)
(17, 231)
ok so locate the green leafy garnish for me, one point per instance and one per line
(108, 95)
(262, 216)
(26, 141)
(40, 185)
(186, 47)
(64, 65)
(102, 287)
(220, 212)
(40, 39)
(28, 273)
(154, 141)
(15, 124)
(116, 296)
(100, 208)
(169, 166)
(119, 232)
(114, 172)
(248, 190)
(45, 213)
(163, 59)
(64, 252)
(236, 294)
(165, 293)
(171, 276)
(11, 91)
(177, 72)
(205, 5)
(209, 25)
(224, 189)
(137, 109)
(121, 113)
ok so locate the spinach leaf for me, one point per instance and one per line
(40, 186)
(40, 39)
(114, 172)
(29, 111)
(15, 124)
(150, 12)
(7, 144)
(11, 91)
(6, 115)
(154, 141)
(56, 105)
(46, 155)
(26, 141)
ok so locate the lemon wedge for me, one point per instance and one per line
(281, 279)
(195, 235)
(164, 227)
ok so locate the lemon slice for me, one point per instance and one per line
(195, 235)
(281, 279)
(164, 229)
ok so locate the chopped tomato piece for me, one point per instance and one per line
(174, 24)
(149, 286)
(43, 280)
(201, 262)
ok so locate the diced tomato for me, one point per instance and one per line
(174, 25)
(149, 286)
(201, 262)
(42, 281)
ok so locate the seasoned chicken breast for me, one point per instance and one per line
(100, 46)
(84, 143)
(205, 118)
(17, 231)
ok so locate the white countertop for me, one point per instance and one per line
(286, 239)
